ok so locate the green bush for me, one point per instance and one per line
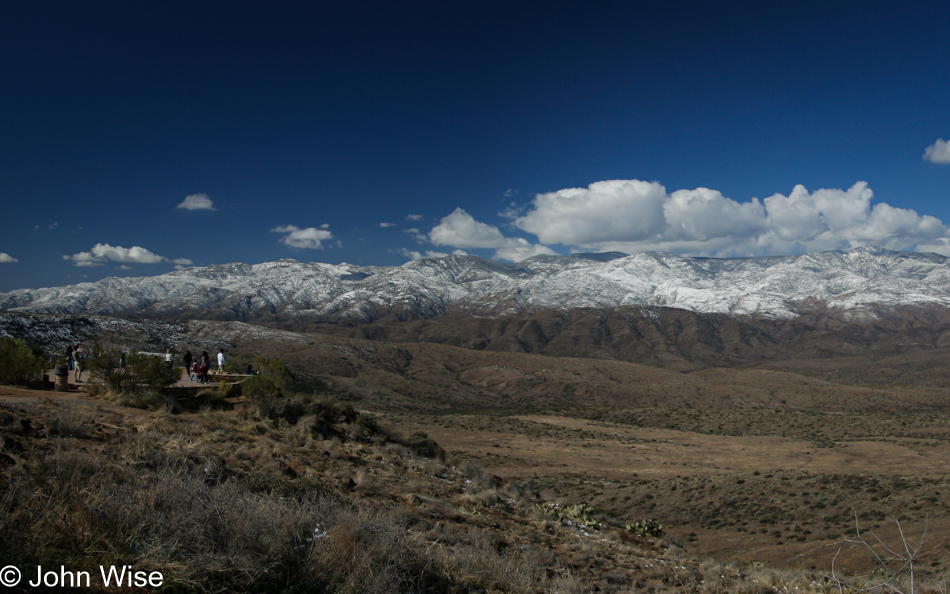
(422, 445)
(266, 390)
(19, 364)
(141, 374)
(262, 392)
(275, 370)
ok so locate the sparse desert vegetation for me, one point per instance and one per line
(359, 466)
(238, 500)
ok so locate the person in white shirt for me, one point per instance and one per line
(220, 362)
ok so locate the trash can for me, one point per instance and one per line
(62, 378)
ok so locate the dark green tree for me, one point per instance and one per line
(19, 364)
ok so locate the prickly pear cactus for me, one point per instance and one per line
(646, 528)
(581, 513)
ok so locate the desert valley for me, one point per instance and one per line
(490, 441)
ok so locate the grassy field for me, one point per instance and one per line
(775, 465)
(761, 486)
(317, 496)
(314, 498)
(764, 479)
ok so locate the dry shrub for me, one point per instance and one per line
(333, 447)
(432, 468)
(166, 501)
(482, 497)
(519, 490)
(299, 434)
(70, 420)
(566, 584)
(145, 400)
(367, 482)
(479, 566)
(366, 550)
(473, 472)
(180, 519)
(396, 451)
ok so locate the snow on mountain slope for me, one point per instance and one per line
(862, 283)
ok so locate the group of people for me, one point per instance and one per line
(198, 370)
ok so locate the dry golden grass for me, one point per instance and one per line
(751, 498)
(218, 499)
(755, 468)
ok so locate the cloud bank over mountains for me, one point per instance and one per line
(633, 216)
(103, 252)
(461, 230)
(309, 238)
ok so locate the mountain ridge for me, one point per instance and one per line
(864, 283)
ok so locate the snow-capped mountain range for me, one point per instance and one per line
(859, 284)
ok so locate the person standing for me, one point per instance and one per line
(220, 361)
(203, 367)
(78, 356)
(168, 358)
(187, 360)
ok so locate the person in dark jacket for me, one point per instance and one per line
(204, 367)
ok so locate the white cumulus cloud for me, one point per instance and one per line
(633, 216)
(6, 258)
(386, 225)
(415, 255)
(459, 229)
(938, 152)
(196, 202)
(309, 238)
(516, 249)
(831, 219)
(703, 214)
(103, 252)
(617, 210)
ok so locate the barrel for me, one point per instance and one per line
(62, 370)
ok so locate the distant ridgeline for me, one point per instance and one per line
(862, 284)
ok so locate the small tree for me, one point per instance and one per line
(276, 371)
(19, 364)
(103, 364)
(267, 388)
(140, 374)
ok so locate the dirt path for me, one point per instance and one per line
(11, 394)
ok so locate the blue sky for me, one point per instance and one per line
(140, 137)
